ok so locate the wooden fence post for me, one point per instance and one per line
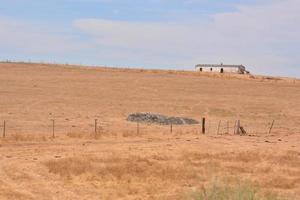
(219, 127)
(203, 125)
(227, 127)
(4, 127)
(238, 127)
(234, 129)
(138, 127)
(171, 127)
(271, 126)
(53, 129)
(96, 127)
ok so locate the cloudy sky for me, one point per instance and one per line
(263, 35)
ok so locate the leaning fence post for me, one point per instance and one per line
(203, 125)
(219, 127)
(4, 127)
(271, 126)
(53, 130)
(238, 127)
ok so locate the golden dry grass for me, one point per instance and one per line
(118, 162)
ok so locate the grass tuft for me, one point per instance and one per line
(238, 191)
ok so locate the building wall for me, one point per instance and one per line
(218, 69)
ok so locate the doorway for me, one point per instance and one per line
(222, 70)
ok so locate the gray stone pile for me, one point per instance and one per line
(153, 118)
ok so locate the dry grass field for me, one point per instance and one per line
(120, 163)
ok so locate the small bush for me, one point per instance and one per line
(238, 191)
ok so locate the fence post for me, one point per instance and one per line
(234, 129)
(271, 126)
(4, 127)
(219, 127)
(227, 127)
(138, 127)
(171, 127)
(238, 127)
(53, 129)
(96, 127)
(203, 125)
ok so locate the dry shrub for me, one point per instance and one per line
(195, 156)
(129, 134)
(77, 135)
(158, 157)
(120, 168)
(67, 167)
(26, 137)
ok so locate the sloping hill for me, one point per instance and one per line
(32, 94)
(128, 160)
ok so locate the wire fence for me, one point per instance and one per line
(92, 127)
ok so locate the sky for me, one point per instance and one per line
(263, 35)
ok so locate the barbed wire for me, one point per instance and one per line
(213, 126)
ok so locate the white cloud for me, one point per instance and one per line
(263, 36)
(35, 37)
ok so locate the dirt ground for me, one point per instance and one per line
(123, 162)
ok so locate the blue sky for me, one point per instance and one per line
(264, 35)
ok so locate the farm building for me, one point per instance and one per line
(237, 69)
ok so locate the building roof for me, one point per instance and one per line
(219, 65)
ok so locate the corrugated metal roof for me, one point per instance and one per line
(220, 65)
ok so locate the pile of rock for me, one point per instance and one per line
(153, 118)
